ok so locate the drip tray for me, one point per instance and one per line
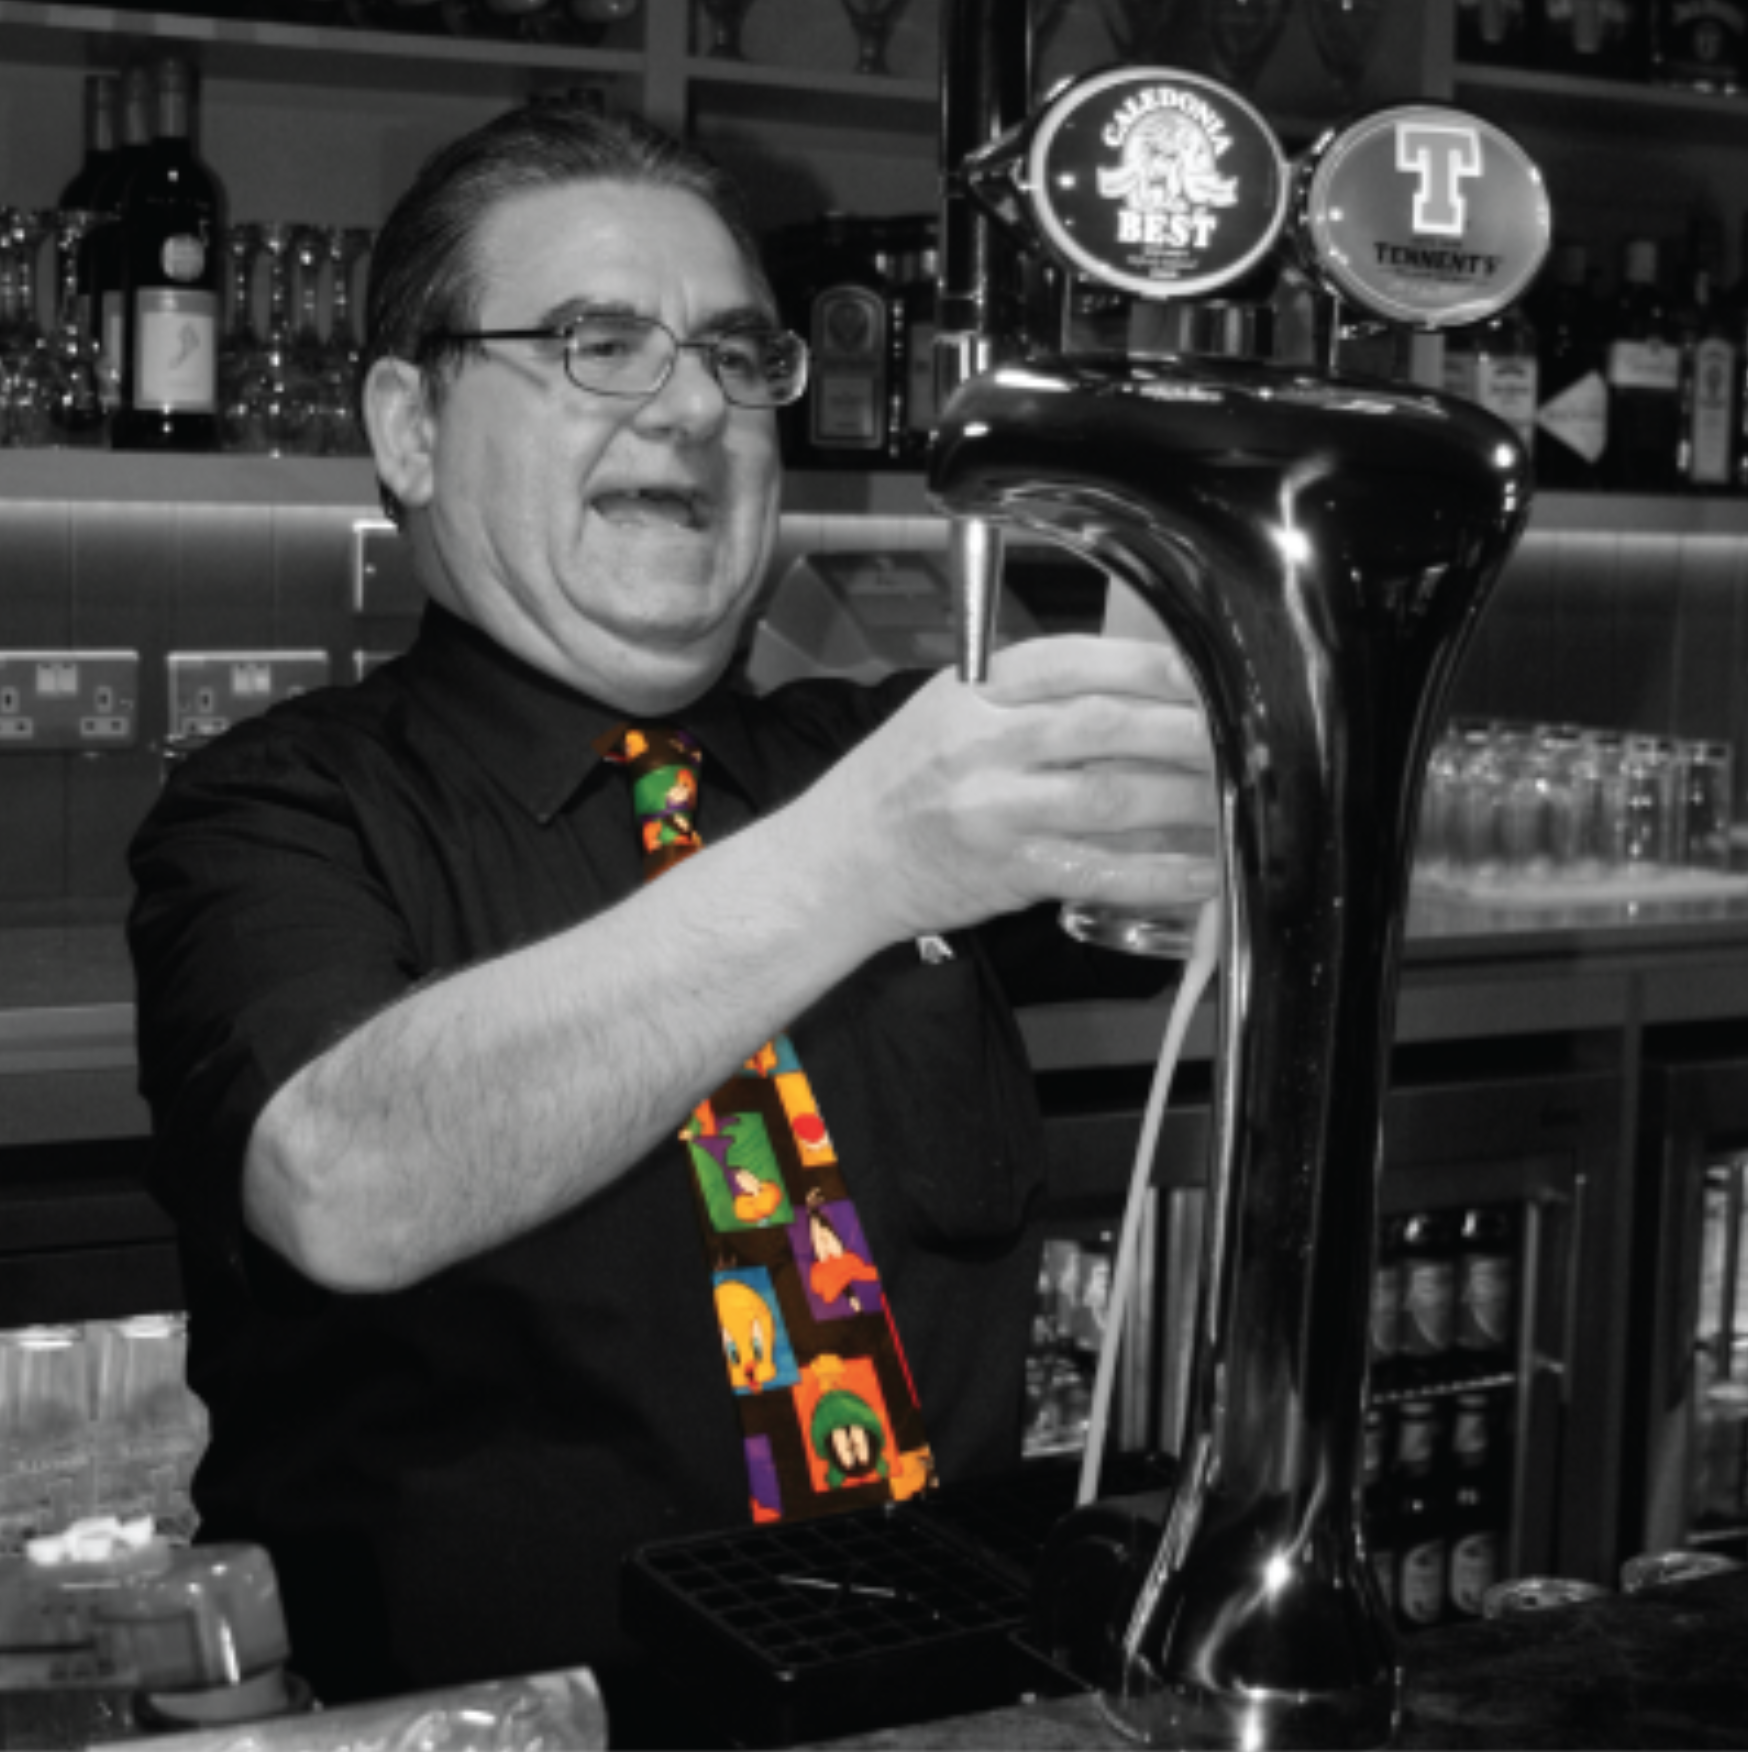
(871, 1619)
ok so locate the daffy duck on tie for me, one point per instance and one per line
(829, 1410)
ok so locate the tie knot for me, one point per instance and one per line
(662, 763)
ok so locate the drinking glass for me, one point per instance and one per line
(1241, 36)
(22, 337)
(726, 18)
(240, 345)
(275, 408)
(1139, 29)
(1650, 773)
(62, 398)
(872, 21)
(1706, 808)
(337, 375)
(1343, 32)
(309, 255)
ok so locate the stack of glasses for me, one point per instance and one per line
(1508, 804)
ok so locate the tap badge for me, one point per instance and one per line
(1425, 216)
(1162, 183)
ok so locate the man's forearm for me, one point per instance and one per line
(491, 1100)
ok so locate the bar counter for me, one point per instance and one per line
(1663, 1668)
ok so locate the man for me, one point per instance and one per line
(421, 1043)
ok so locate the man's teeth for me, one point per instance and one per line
(649, 508)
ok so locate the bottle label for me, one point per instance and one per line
(1469, 1434)
(183, 258)
(1386, 1310)
(1474, 1569)
(1422, 1595)
(1652, 365)
(1416, 1441)
(1504, 386)
(1428, 1307)
(1578, 416)
(847, 410)
(175, 350)
(1484, 1311)
(1709, 434)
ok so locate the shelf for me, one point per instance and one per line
(1522, 97)
(260, 51)
(901, 97)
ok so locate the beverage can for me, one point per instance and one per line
(1657, 1569)
(1527, 1594)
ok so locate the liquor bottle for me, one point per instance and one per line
(1422, 1531)
(1378, 1498)
(104, 278)
(1477, 1515)
(1644, 381)
(1427, 1327)
(841, 308)
(1710, 357)
(1698, 45)
(1486, 1275)
(172, 222)
(1494, 365)
(1572, 392)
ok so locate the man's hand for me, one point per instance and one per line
(1081, 771)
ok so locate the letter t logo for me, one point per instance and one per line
(1439, 157)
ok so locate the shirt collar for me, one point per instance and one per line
(534, 735)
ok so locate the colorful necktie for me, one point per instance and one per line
(829, 1410)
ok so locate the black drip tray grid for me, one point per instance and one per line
(864, 1620)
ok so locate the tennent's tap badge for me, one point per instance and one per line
(1159, 182)
(1424, 216)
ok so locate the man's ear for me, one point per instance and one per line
(403, 429)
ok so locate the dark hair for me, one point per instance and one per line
(425, 274)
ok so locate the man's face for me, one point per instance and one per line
(615, 544)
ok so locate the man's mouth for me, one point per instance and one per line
(652, 507)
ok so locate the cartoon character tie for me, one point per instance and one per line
(829, 1410)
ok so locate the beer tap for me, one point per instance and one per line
(1320, 547)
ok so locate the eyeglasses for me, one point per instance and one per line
(633, 356)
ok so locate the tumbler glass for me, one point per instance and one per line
(1650, 773)
(1707, 805)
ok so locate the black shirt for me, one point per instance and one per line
(447, 1476)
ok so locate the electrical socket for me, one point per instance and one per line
(212, 690)
(60, 700)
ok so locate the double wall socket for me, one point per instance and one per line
(211, 690)
(56, 700)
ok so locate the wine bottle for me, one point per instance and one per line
(102, 135)
(79, 195)
(1572, 391)
(1644, 381)
(172, 220)
(103, 280)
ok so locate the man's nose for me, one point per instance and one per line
(692, 395)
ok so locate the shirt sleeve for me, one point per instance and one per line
(260, 934)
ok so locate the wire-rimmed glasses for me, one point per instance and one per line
(609, 353)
